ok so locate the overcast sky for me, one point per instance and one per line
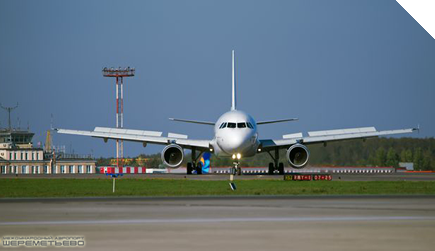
(332, 64)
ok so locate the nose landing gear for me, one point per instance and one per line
(234, 171)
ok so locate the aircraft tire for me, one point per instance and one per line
(189, 168)
(271, 168)
(198, 169)
(281, 168)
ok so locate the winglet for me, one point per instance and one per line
(417, 128)
(51, 124)
(233, 105)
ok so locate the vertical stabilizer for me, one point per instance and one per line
(233, 105)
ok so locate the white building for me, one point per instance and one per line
(18, 156)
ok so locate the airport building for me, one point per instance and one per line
(19, 156)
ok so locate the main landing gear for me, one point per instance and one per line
(191, 166)
(276, 166)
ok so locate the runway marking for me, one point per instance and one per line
(217, 220)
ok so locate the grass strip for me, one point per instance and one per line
(12, 188)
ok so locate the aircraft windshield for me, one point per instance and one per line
(236, 125)
(231, 125)
(223, 125)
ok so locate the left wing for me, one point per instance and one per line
(327, 136)
(141, 136)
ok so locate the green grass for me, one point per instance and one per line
(175, 187)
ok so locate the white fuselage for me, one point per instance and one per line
(235, 133)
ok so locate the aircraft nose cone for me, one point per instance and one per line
(235, 143)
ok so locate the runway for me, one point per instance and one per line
(335, 176)
(241, 223)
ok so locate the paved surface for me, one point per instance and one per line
(344, 177)
(230, 223)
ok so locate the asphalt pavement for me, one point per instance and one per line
(235, 223)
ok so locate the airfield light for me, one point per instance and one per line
(119, 73)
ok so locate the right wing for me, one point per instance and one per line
(193, 121)
(141, 136)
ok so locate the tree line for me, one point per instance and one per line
(370, 152)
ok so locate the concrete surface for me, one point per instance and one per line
(229, 223)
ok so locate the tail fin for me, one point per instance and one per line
(205, 162)
(233, 106)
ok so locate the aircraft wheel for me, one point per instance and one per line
(233, 171)
(189, 168)
(281, 168)
(239, 171)
(271, 168)
(199, 169)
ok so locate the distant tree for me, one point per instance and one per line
(103, 162)
(427, 159)
(406, 155)
(392, 158)
(375, 151)
(418, 159)
(380, 158)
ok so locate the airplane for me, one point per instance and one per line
(235, 135)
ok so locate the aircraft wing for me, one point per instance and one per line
(275, 121)
(328, 136)
(151, 137)
(193, 121)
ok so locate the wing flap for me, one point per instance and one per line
(177, 136)
(293, 136)
(128, 131)
(342, 131)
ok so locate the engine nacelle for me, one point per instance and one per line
(297, 156)
(172, 156)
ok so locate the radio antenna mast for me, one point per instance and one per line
(9, 110)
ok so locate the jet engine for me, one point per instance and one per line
(297, 156)
(172, 155)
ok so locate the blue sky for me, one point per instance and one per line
(333, 64)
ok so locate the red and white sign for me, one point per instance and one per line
(116, 170)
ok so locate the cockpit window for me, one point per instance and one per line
(223, 125)
(241, 125)
(249, 125)
(231, 125)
